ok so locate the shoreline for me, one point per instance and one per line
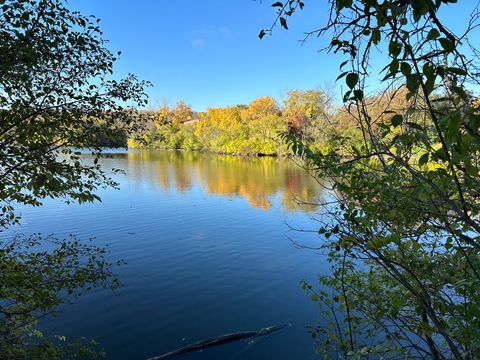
(248, 155)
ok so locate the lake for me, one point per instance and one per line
(208, 250)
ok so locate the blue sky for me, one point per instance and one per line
(208, 54)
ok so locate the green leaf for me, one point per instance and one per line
(414, 125)
(394, 48)
(358, 94)
(393, 67)
(405, 68)
(456, 71)
(396, 120)
(341, 75)
(428, 70)
(341, 4)
(447, 44)
(460, 92)
(376, 36)
(412, 83)
(423, 159)
(454, 123)
(433, 34)
(352, 80)
(470, 169)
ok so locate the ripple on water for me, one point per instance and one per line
(205, 243)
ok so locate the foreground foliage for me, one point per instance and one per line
(55, 94)
(402, 229)
(37, 274)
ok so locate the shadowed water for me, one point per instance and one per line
(208, 252)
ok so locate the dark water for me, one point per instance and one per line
(208, 252)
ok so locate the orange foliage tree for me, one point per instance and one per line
(261, 107)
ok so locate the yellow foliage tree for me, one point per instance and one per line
(181, 113)
(261, 108)
(163, 116)
(227, 118)
(202, 126)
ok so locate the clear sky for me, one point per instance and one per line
(207, 52)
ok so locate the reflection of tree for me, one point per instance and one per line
(258, 180)
(166, 169)
(300, 188)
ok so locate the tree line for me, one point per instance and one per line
(312, 116)
(251, 129)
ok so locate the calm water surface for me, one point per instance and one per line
(208, 252)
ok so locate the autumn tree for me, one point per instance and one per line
(163, 115)
(181, 112)
(228, 118)
(308, 112)
(261, 107)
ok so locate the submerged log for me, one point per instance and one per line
(219, 340)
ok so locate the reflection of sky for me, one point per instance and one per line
(201, 262)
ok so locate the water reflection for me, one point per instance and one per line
(258, 180)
